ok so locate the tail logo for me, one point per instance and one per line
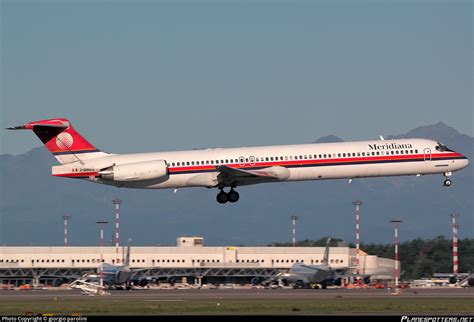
(64, 140)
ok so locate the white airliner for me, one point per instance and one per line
(223, 168)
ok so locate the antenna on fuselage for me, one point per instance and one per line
(381, 138)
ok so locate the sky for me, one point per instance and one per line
(169, 75)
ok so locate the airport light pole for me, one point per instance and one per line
(101, 223)
(357, 204)
(395, 226)
(117, 202)
(66, 218)
(455, 227)
(294, 218)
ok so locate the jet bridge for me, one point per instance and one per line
(58, 276)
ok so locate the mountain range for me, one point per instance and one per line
(33, 203)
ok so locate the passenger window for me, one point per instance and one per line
(344, 155)
(306, 157)
(339, 155)
(187, 162)
(172, 164)
(363, 154)
(301, 157)
(281, 158)
(286, 157)
(271, 158)
(226, 161)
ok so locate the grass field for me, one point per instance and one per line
(102, 306)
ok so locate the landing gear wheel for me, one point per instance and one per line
(447, 183)
(222, 197)
(233, 196)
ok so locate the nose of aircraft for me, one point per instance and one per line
(463, 162)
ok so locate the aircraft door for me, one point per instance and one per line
(427, 154)
(252, 160)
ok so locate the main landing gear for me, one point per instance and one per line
(447, 182)
(231, 196)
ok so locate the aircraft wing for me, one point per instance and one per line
(229, 176)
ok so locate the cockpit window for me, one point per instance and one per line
(442, 148)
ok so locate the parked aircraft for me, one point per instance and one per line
(235, 167)
(303, 275)
(114, 276)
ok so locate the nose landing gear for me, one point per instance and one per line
(223, 197)
(447, 182)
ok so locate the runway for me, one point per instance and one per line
(190, 294)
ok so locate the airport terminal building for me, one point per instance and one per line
(188, 258)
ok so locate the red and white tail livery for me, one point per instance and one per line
(234, 167)
(62, 140)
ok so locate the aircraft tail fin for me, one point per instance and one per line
(326, 252)
(126, 260)
(62, 140)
